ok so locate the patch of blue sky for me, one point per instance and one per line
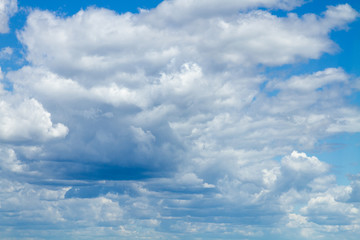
(9, 40)
(345, 56)
(318, 7)
(69, 7)
(342, 151)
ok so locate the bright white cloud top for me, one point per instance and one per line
(170, 124)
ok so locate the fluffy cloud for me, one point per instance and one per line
(9, 161)
(81, 44)
(7, 9)
(86, 59)
(326, 211)
(172, 125)
(28, 121)
(300, 163)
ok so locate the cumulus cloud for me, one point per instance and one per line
(28, 121)
(9, 161)
(7, 9)
(172, 124)
(83, 46)
(300, 163)
(326, 211)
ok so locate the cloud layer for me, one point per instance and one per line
(168, 125)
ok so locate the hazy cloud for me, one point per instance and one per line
(7, 9)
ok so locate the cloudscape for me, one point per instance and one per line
(180, 119)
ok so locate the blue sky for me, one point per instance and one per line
(179, 119)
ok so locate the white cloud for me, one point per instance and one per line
(90, 44)
(53, 86)
(348, 121)
(100, 210)
(179, 71)
(9, 161)
(187, 11)
(325, 210)
(340, 15)
(28, 121)
(313, 81)
(7, 9)
(49, 206)
(300, 163)
(6, 52)
(172, 117)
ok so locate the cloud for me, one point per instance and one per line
(349, 121)
(313, 82)
(81, 45)
(187, 11)
(9, 161)
(340, 15)
(155, 124)
(28, 121)
(300, 163)
(355, 189)
(7, 9)
(48, 206)
(6, 52)
(298, 170)
(326, 211)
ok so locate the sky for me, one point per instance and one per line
(180, 119)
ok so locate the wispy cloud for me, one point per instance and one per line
(7, 9)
